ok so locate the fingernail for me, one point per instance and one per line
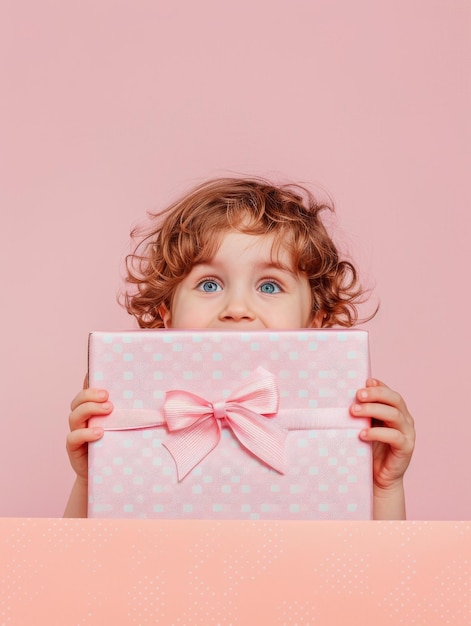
(96, 432)
(357, 408)
(102, 395)
(363, 434)
(363, 394)
(107, 406)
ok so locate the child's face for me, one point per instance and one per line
(242, 288)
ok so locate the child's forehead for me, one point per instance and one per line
(268, 249)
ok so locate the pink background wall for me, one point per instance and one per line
(111, 108)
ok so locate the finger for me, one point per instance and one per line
(375, 382)
(398, 441)
(83, 412)
(389, 415)
(379, 392)
(77, 438)
(89, 395)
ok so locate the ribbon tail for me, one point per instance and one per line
(190, 446)
(264, 438)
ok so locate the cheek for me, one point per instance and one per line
(187, 314)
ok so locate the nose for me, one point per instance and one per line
(237, 307)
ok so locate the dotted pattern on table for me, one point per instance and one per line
(87, 572)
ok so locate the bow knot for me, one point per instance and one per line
(195, 424)
(219, 409)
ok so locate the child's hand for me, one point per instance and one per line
(86, 404)
(392, 432)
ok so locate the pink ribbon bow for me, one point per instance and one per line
(195, 423)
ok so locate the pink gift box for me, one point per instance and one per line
(230, 425)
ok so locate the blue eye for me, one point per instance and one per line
(209, 286)
(270, 287)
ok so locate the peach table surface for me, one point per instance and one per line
(84, 572)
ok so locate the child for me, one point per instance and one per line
(245, 254)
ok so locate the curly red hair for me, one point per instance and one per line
(190, 230)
